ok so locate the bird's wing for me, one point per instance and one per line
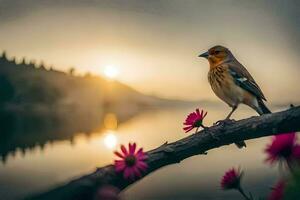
(244, 79)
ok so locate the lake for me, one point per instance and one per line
(29, 167)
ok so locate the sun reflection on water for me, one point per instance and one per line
(110, 140)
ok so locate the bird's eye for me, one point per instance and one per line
(217, 52)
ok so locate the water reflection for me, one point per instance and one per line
(110, 121)
(22, 132)
(110, 140)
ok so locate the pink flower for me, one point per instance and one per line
(283, 147)
(194, 120)
(231, 179)
(132, 162)
(278, 191)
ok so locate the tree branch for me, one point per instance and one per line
(210, 138)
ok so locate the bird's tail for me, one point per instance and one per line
(262, 108)
(240, 144)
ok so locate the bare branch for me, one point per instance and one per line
(84, 187)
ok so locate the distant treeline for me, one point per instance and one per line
(4, 60)
(14, 88)
(27, 84)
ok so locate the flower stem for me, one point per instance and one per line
(243, 193)
(197, 129)
(204, 127)
(290, 166)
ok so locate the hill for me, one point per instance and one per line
(35, 87)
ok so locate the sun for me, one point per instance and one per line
(111, 72)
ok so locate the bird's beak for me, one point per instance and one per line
(204, 55)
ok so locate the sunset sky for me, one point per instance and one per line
(154, 44)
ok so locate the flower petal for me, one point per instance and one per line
(119, 154)
(119, 165)
(277, 191)
(137, 172)
(204, 115)
(282, 148)
(127, 172)
(198, 112)
(132, 148)
(140, 155)
(124, 150)
(231, 179)
(188, 129)
(142, 165)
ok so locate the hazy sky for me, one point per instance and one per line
(155, 43)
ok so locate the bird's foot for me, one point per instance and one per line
(224, 122)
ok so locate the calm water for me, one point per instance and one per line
(38, 167)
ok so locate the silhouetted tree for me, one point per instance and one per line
(42, 65)
(3, 58)
(32, 64)
(13, 60)
(4, 55)
(7, 90)
(72, 71)
(23, 61)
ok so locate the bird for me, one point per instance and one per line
(232, 83)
